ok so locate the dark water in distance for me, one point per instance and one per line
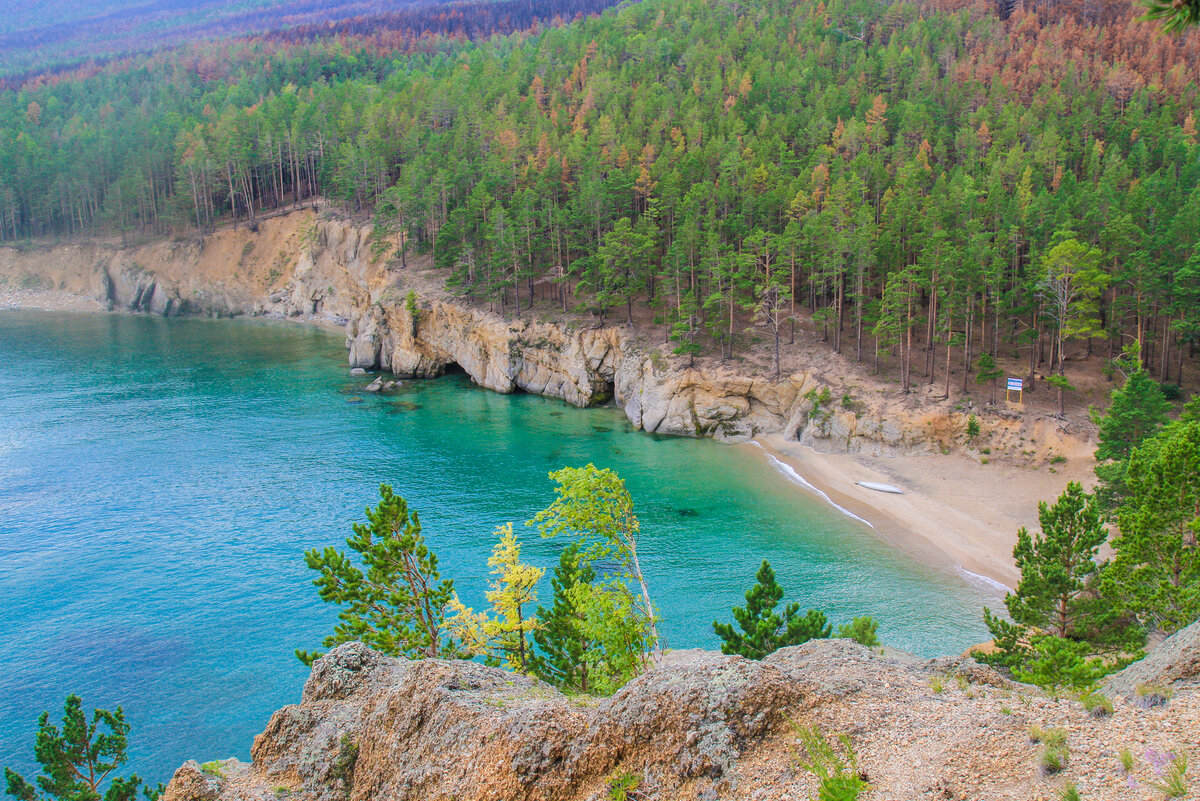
(159, 481)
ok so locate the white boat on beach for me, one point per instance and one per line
(875, 485)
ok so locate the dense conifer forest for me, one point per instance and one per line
(972, 176)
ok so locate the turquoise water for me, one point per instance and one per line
(159, 481)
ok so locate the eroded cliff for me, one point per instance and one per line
(330, 271)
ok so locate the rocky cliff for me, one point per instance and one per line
(330, 271)
(699, 726)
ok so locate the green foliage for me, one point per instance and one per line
(1125, 757)
(1058, 663)
(78, 759)
(562, 647)
(341, 770)
(593, 507)
(1060, 623)
(832, 762)
(1097, 704)
(618, 635)
(414, 311)
(972, 427)
(1069, 793)
(398, 606)
(1136, 411)
(863, 630)
(1175, 15)
(624, 786)
(1173, 782)
(594, 638)
(1054, 758)
(762, 629)
(1156, 571)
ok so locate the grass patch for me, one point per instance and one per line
(833, 762)
(1054, 752)
(1069, 793)
(1097, 704)
(624, 787)
(1172, 782)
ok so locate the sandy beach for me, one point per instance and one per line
(955, 511)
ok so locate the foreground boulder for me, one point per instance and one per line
(1172, 665)
(699, 726)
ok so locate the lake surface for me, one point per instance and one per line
(160, 480)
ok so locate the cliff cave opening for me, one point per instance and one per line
(603, 392)
(454, 368)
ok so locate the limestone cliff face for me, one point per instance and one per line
(700, 726)
(297, 266)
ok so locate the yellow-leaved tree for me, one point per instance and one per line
(501, 634)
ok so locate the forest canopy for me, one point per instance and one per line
(896, 167)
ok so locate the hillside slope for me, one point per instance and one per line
(700, 726)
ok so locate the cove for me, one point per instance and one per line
(160, 480)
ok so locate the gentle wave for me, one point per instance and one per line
(790, 473)
(986, 581)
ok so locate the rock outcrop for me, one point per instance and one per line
(699, 726)
(1174, 664)
(330, 271)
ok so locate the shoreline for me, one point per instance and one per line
(48, 300)
(52, 300)
(955, 513)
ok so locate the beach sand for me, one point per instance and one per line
(47, 300)
(955, 512)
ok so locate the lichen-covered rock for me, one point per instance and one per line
(1174, 662)
(375, 727)
(191, 783)
(700, 725)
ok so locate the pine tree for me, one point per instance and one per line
(988, 373)
(78, 759)
(762, 629)
(398, 606)
(562, 648)
(1156, 572)
(1137, 410)
(1056, 602)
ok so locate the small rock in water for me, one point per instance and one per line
(354, 399)
(688, 513)
(374, 386)
(358, 371)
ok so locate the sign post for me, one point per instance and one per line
(1016, 385)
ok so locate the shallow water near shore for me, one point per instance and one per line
(160, 480)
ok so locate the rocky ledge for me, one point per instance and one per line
(699, 726)
(330, 271)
